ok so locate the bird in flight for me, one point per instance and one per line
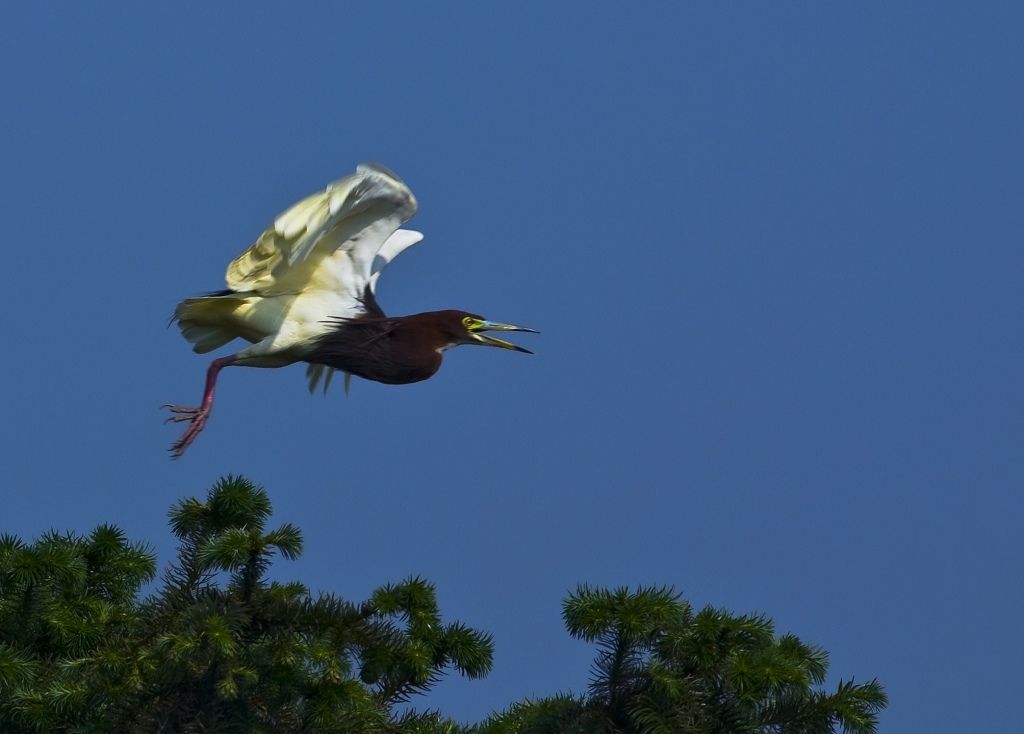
(305, 293)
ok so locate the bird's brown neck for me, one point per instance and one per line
(394, 350)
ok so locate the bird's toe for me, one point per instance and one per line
(196, 418)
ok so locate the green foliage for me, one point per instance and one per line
(661, 669)
(62, 598)
(219, 648)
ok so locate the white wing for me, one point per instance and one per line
(392, 248)
(337, 240)
(320, 258)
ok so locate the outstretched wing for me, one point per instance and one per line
(337, 240)
(389, 250)
(394, 245)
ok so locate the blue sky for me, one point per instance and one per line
(775, 252)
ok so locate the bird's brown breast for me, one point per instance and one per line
(388, 350)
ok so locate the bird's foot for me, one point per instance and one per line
(197, 421)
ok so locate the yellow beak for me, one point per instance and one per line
(490, 341)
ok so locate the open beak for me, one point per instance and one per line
(490, 341)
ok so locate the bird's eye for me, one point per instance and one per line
(468, 323)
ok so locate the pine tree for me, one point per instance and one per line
(661, 669)
(220, 648)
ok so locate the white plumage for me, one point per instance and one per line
(313, 263)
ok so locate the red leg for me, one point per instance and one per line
(196, 416)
